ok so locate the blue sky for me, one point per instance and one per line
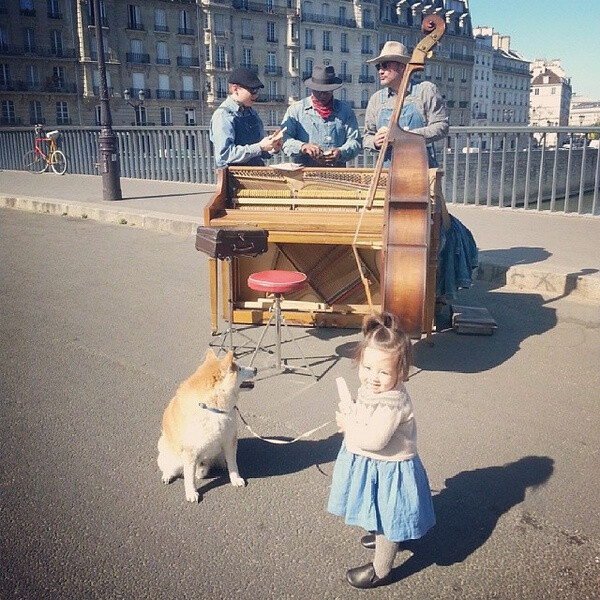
(564, 29)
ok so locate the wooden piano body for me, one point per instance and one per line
(311, 215)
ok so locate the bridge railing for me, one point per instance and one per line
(553, 169)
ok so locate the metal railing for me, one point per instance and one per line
(554, 169)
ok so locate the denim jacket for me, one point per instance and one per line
(235, 132)
(304, 125)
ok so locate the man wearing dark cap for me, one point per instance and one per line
(236, 130)
(321, 130)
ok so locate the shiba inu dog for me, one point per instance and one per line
(199, 428)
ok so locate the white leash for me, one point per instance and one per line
(275, 441)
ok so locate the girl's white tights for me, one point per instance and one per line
(385, 553)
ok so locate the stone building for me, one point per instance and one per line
(178, 53)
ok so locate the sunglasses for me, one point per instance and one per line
(384, 65)
(253, 90)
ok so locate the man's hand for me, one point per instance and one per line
(380, 137)
(331, 156)
(313, 150)
(268, 144)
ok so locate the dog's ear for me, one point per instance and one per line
(209, 354)
(227, 361)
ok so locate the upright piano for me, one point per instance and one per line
(311, 215)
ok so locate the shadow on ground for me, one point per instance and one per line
(468, 509)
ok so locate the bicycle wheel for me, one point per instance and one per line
(58, 161)
(34, 162)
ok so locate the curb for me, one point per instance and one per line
(156, 221)
(576, 285)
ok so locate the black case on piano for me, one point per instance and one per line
(230, 242)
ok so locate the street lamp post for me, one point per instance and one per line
(135, 104)
(107, 141)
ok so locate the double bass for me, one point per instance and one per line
(407, 209)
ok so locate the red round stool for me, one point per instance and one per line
(278, 283)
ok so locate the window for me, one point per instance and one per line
(162, 53)
(271, 33)
(327, 40)
(58, 78)
(29, 40)
(344, 42)
(35, 112)
(134, 17)
(342, 15)
(344, 95)
(273, 120)
(165, 116)
(8, 112)
(190, 116)
(4, 75)
(220, 24)
(56, 44)
(271, 60)
(308, 67)
(309, 39)
(98, 114)
(54, 9)
(221, 87)
(220, 57)
(247, 29)
(247, 58)
(163, 82)
(160, 20)
(366, 44)
(273, 90)
(62, 113)
(140, 115)
(33, 77)
(185, 23)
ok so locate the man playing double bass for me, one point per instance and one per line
(424, 111)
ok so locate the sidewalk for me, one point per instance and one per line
(542, 253)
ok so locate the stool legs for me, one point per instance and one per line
(279, 321)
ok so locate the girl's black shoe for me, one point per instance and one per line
(364, 577)
(368, 541)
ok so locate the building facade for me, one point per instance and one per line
(179, 53)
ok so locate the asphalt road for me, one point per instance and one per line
(98, 324)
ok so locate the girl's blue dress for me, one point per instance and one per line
(388, 497)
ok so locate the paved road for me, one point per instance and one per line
(98, 325)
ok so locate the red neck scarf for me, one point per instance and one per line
(324, 110)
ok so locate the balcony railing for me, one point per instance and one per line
(253, 68)
(189, 95)
(135, 57)
(273, 70)
(136, 26)
(188, 61)
(165, 94)
(366, 79)
(185, 31)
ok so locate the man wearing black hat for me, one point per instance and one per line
(236, 130)
(320, 130)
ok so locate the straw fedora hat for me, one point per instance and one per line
(323, 80)
(392, 51)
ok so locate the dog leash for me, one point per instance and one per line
(275, 441)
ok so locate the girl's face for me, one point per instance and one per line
(378, 370)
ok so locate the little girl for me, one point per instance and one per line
(379, 482)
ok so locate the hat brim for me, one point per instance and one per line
(389, 58)
(323, 87)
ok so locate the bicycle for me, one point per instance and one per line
(38, 161)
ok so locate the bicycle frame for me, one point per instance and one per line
(38, 149)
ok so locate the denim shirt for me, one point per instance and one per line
(423, 112)
(304, 124)
(235, 132)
